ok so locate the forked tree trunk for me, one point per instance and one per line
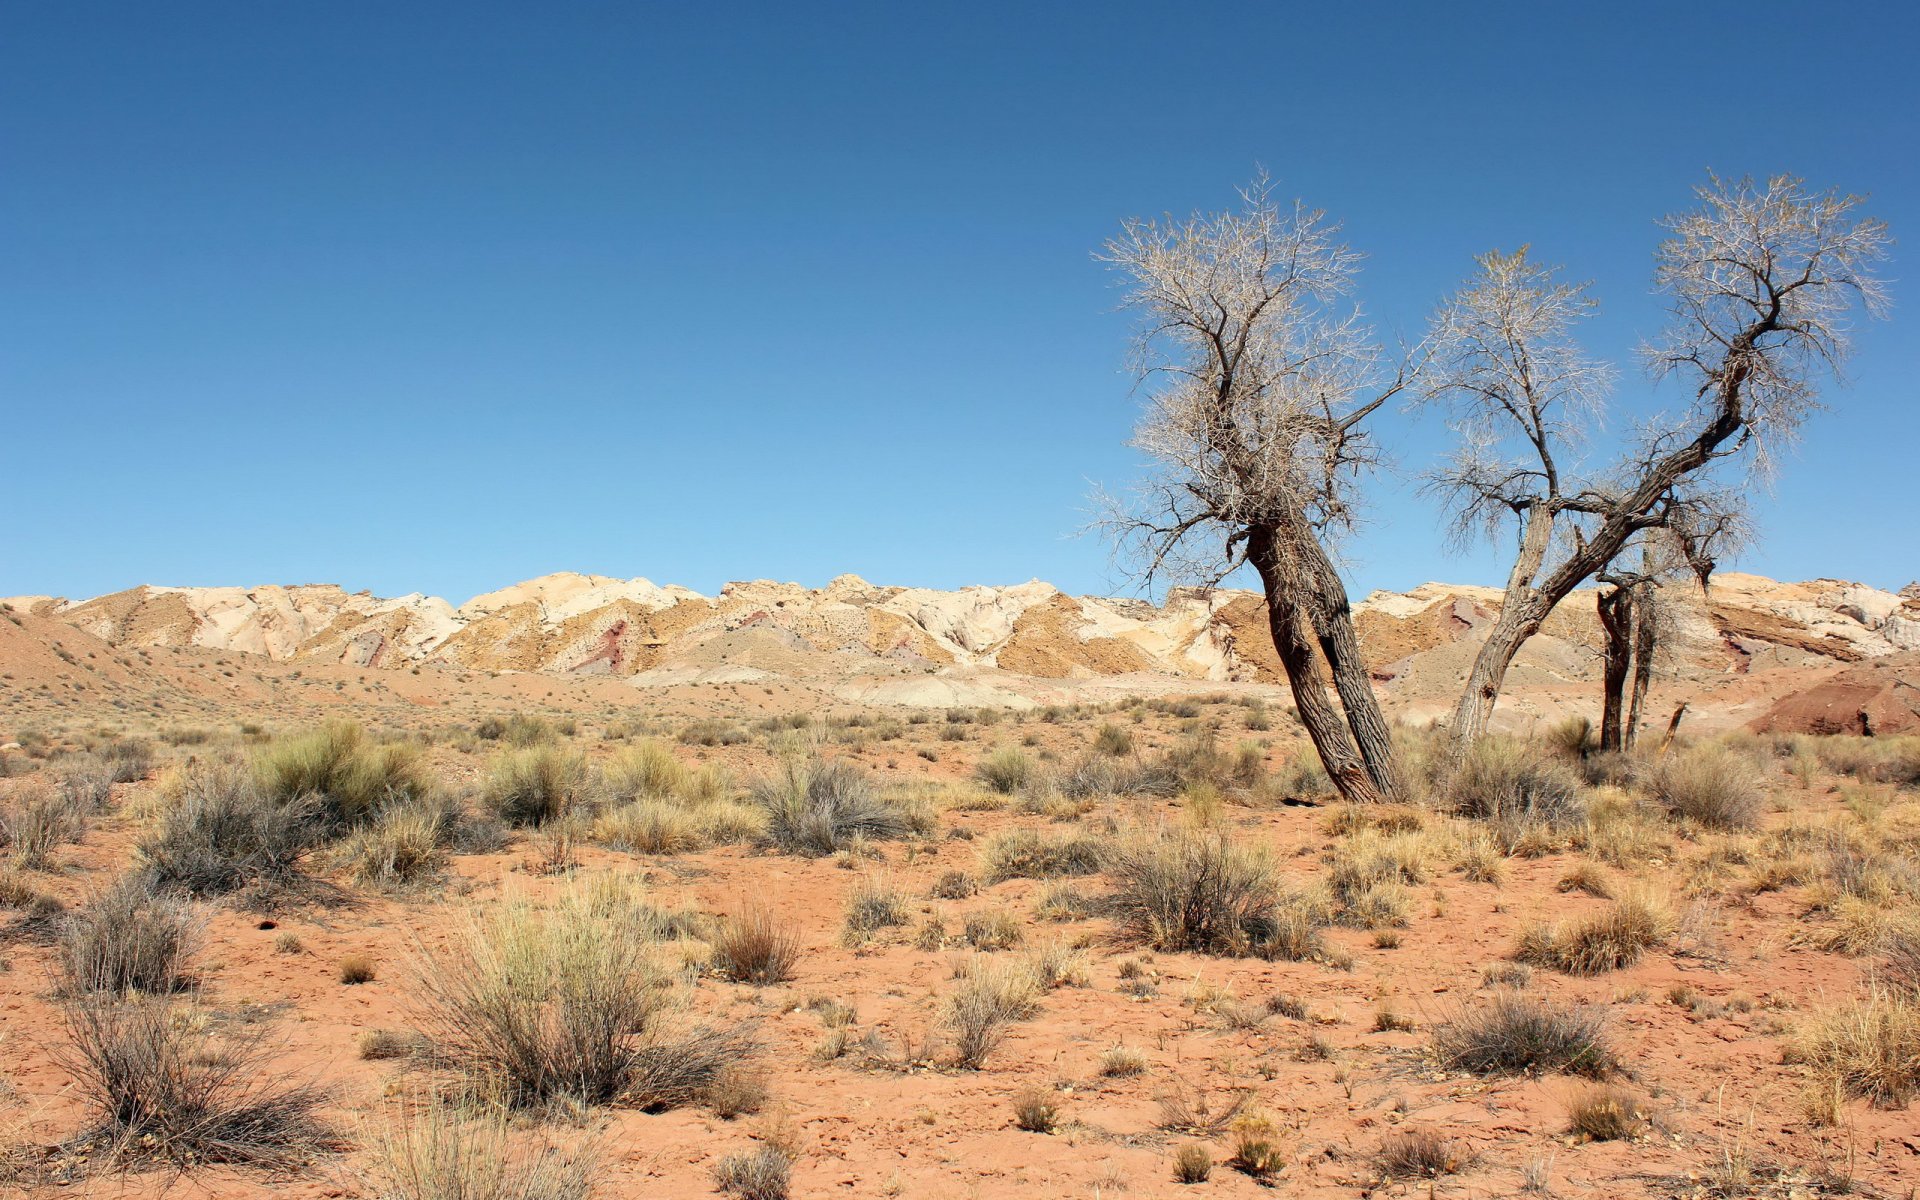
(1646, 636)
(1331, 613)
(1616, 622)
(1291, 641)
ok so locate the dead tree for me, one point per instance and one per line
(1760, 281)
(1259, 375)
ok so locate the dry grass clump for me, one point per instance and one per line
(1257, 1147)
(646, 770)
(992, 929)
(756, 947)
(357, 969)
(1192, 890)
(430, 1152)
(1606, 1113)
(954, 885)
(1868, 1048)
(162, 1089)
(1420, 1154)
(760, 1175)
(1192, 1163)
(1122, 1062)
(347, 777)
(1369, 872)
(567, 1004)
(1023, 853)
(400, 847)
(873, 904)
(128, 938)
(40, 819)
(226, 833)
(1005, 770)
(1517, 790)
(1604, 942)
(1514, 1033)
(1113, 741)
(1712, 785)
(993, 994)
(817, 807)
(536, 786)
(1035, 1109)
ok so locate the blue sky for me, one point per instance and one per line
(438, 297)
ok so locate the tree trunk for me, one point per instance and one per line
(1289, 627)
(1522, 610)
(1331, 614)
(1616, 621)
(1646, 634)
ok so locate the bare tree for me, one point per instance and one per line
(1761, 282)
(1260, 373)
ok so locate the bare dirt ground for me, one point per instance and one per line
(1334, 1055)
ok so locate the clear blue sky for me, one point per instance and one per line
(438, 297)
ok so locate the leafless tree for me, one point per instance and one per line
(1761, 282)
(1259, 373)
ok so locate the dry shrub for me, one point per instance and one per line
(1035, 1109)
(993, 994)
(1032, 854)
(432, 1153)
(1055, 964)
(1868, 1048)
(1258, 1147)
(1006, 770)
(1517, 790)
(1604, 942)
(646, 770)
(760, 1175)
(1420, 1154)
(1192, 1163)
(756, 947)
(650, 826)
(356, 969)
(1191, 890)
(162, 1089)
(1515, 1033)
(954, 885)
(41, 819)
(344, 776)
(873, 904)
(1183, 1111)
(817, 807)
(399, 848)
(1606, 1113)
(1368, 876)
(1117, 1062)
(566, 1003)
(1900, 963)
(375, 1045)
(127, 938)
(1711, 784)
(1113, 741)
(536, 786)
(992, 929)
(226, 833)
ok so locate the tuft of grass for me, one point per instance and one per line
(1516, 1033)
(992, 929)
(650, 826)
(567, 1004)
(1194, 890)
(1036, 1110)
(756, 947)
(1605, 942)
(1606, 1113)
(536, 786)
(1005, 770)
(872, 904)
(1420, 1154)
(1112, 740)
(1518, 791)
(429, 1152)
(993, 994)
(1022, 853)
(344, 775)
(161, 1088)
(1122, 1062)
(129, 939)
(225, 834)
(1868, 1048)
(356, 969)
(1258, 1147)
(1713, 785)
(646, 770)
(817, 807)
(400, 848)
(1192, 1163)
(760, 1175)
